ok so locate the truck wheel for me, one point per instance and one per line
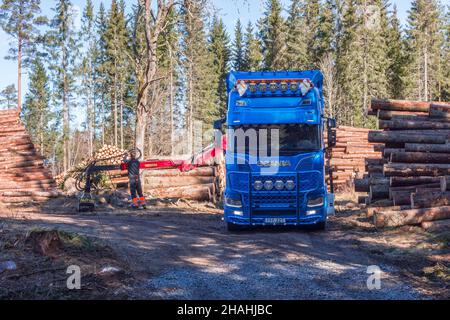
(321, 226)
(233, 227)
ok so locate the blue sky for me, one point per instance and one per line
(229, 10)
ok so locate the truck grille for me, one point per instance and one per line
(272, 200)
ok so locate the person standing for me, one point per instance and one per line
(134, 177)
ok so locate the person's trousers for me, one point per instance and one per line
(136, 191)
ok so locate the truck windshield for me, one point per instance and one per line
(292, 138)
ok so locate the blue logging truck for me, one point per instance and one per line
(276, 153)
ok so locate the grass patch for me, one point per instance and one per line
(78, 241)
(439, 271)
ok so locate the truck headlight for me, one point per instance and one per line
(234, 203)
(279, 185)
(315, 201)
(268, 185)
(258, 185)
(290, 185)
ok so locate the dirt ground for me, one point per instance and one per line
(183, 251)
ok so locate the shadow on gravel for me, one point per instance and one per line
(175, 254)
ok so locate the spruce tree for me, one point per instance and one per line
(219, 47)
(350, 67)
(63, 49)
(201, 84)
(398, 64)
(87, 69)
(326, 31)
(312, 16)
(445, 90)
(36, 110)
(116, 64)
(252, 51)
(272, 32)
(297, 47)
(20, 19)
(425, 43)
(101, 85)
(238, 47)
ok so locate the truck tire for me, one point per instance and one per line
(234, 227)
(320, 226)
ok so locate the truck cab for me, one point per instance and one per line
(275, 158)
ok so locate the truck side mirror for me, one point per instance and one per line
(218, 124)
(332, 138)
(331, 123)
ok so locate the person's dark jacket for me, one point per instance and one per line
(133, 168)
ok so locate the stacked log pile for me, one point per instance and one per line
(200, 184)
(349, 157)
(23, 177)
(413, 186)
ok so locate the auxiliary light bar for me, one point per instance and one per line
(274, 86)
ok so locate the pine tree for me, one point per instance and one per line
(87, 69)
(272, 32)
(349, 66)
(312, 16)
(101, 85)
(219, 47)
(297, 47)
(425, 42)
(374, 33)
(116, 65)
(63, 49)
(36, 110)
(19, 19)
(9, 95)
(238, 47)
(445, 90)
(201, 84)
(362, 61)
(162, 126)
(398, 64)
(252, 51)
(326, 32)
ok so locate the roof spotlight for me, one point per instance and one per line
(252, 87)
(263, 87)
(273, 87)
(294, 86)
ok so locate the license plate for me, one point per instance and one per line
(275, 221)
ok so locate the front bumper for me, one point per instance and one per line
(260, 220)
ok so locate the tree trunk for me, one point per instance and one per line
(408, 170)
(141, 123)
(19, 74)
(378, 192)
(440, 111)
(409, 115)
(433, 148)
(413, 181)
(400, 137)
(384, 219)
(430, 200)
(412, 124)
(436, 226)
(420, 157)
(400, 105)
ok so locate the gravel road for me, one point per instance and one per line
(182, 255)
